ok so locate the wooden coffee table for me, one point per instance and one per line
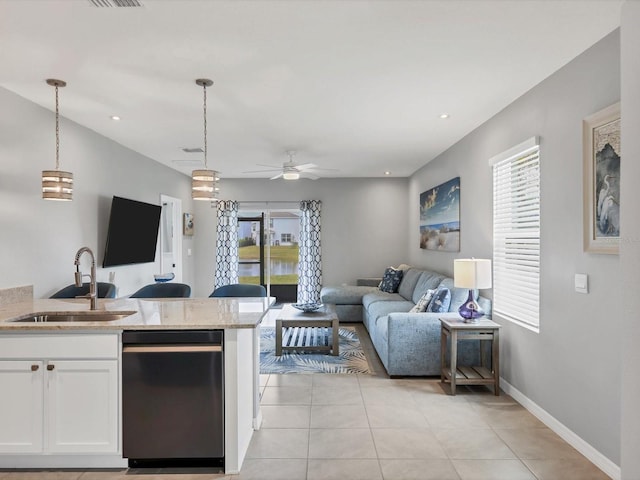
(297, 330)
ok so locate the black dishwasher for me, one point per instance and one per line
(173, 398)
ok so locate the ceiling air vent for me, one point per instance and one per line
(115, 3)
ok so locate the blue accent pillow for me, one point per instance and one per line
(440, 301)
(391, 280)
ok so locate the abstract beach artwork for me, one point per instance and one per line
(440, 217)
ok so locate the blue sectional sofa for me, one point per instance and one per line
(408, 344)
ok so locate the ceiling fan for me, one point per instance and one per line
(292, 171)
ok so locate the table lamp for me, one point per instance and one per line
(471, 273)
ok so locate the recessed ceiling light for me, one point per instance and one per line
(115, 117)
(387, 172)
(444, 115)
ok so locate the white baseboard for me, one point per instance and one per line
(593, 455)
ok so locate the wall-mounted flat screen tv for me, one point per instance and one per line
(133, 232)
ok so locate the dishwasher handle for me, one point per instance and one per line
(170, 348)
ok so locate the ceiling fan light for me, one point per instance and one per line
(291, 175)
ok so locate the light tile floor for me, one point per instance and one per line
(370, 427)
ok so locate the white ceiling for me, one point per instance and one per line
(353, 85)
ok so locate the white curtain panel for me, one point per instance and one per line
(227, 243)
(309, 263)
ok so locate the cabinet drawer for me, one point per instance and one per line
(51, 345)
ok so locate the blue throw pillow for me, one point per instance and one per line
(391, 280)
(440, 301)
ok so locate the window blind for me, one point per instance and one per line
(516, 238)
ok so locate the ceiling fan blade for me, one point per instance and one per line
(277, 176)
(275, 167)
(306, 166)
(309, 175)
(263, 171)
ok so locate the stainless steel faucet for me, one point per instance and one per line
(93, 290)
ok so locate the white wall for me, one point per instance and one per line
(364, 223)
(39, 238)
(630, 246)
(572, 367)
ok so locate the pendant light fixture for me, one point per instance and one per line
(204, 183)
(56, 184)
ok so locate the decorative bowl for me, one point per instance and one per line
(164, 277)
(307, 307)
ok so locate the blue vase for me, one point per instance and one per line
(470, 310)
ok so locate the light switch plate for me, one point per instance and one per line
(581, 283)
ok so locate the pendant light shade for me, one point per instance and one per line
(204, 182)
(57, 184)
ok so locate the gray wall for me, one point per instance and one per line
(572, 367)
(364, 223)
(630, 245)
(39, 238)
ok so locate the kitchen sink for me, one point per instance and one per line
(75, 316)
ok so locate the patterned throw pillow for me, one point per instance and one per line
(422, 304)
(440, 301)
(391, 280)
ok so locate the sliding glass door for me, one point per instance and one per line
(268, 251)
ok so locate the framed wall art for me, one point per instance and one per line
(440, 217)
(187, 224)
(601, 175)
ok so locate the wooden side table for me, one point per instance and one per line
(484, 330)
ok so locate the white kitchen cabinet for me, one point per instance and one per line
(58, 399)
(21, 406)
(83, 406)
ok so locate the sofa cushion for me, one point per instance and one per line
(408, 283)
(391, 280)
(345, 294)
(423, 303)
(381, 309)
(440, 301)
(379, 296)
(427, 281)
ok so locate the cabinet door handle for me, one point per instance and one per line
(50, 367)
(34, 368)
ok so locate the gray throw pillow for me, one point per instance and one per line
(391, 280)
(440, 301)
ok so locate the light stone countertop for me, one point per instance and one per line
(150, 314)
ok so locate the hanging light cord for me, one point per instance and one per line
(57, 133)
(204, 87)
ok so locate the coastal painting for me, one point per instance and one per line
(440, 217)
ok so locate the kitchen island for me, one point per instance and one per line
(63, 406)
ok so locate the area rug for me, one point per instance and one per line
(351, 358)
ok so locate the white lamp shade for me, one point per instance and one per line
(472, 273)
